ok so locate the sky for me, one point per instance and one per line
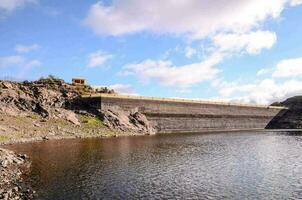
(246, 51)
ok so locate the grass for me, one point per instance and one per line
(3, 138)
(91, 121)
(34, 116)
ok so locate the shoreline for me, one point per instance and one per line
(128, 134)
(32, 128)
(42, 139)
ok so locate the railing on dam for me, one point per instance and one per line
(180, 100)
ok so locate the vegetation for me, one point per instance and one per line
(51, 79)
(91, 121)
(3, 138)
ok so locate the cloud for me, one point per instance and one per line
(189, 52)
(11, 5)
(264, 91)
(11, 60)
(98, 58)
(199, 18)
(268, 90)
(32, 63)
(26, 48)
(125, 89)
(295, 2)
(288, 68)
(251, 42)
(165, 73)
(18, 61)
(264, 71)
(227, 27)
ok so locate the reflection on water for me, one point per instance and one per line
(244, 165)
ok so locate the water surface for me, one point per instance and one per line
(234, 165)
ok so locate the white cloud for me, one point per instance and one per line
(264, 92)
(32, 63)
(232, 26)
(10, 5)
(288, 68)
(295, 2)
(26, 48)
(189, 52)
(98, 58)
(251, 42)
(125, 89)
(199, 18)
(264, 71)
(11, 60)
(168, 74)
(18, 61)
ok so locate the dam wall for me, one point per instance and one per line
(180, 115)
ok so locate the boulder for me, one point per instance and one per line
(116, 118)
(68, 115)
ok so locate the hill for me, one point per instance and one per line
(290, 118)
(52, 108)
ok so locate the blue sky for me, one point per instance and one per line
(248, 51)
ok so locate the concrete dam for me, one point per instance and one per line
(182, 115)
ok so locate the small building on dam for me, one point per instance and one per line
(182, 115)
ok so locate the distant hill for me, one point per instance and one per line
(290, 118)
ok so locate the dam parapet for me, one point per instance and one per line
(182, 115)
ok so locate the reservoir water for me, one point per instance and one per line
(230, 165)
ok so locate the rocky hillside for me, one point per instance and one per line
(290, 118)
(49, 98)
(39, 106)
(12, 166)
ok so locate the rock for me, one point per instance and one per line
(6, 85)
(14, 128)
(45, 138)
(5, 196)
(11, 171)
(23, 156)
(39, 97)
(70, 116)
(4, 163)
(37, 125)
(116, 118)
(15, 189)
(290, 118)
(141, 121)
(3, 128)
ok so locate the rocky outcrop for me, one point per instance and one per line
(48, 99)
(118, 119)
(52, 98)
(290, 118)
(12, 167)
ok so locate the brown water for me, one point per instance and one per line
(241, 165)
